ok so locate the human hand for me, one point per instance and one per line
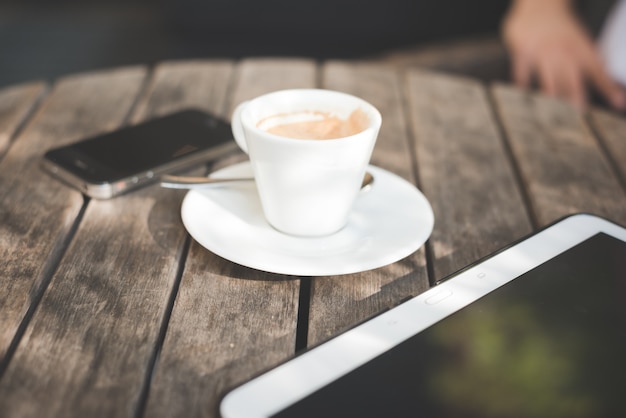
(546, 40)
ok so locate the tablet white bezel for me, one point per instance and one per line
(286, 384)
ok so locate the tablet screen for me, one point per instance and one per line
(550, 343)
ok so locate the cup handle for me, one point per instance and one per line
(237, 127)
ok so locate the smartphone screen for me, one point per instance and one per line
(111, 163)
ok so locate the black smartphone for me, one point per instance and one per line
(107, 165)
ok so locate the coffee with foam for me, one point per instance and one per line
(315, 125)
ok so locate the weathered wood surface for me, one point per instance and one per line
(464, 171)
(61, 356)
(338, 303)
(108, 308)
(16, 103)
(561, 165)
(38, 212)
(229, 322)
(611, 131)
(122, 265)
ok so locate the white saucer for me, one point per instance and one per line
(389, 221)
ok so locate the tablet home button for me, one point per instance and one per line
(438, 297)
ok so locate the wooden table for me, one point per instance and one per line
(109, 308)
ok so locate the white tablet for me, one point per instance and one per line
(536, 330)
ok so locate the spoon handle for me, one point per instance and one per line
(187, 182)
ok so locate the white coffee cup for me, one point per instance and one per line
(307, 187)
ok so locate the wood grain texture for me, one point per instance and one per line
(103, 311)
(264, 75)
(464, 171)
(611, 129)
(134, 318)
(196, 83)
(38, 212)
(229, 322)
(561, 164)
(16, 102)
(340, 302)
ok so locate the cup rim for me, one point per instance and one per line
(373, 114)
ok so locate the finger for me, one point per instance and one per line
(548, 77)
(573, 86)
(522, 71)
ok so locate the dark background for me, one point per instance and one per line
(45, 39)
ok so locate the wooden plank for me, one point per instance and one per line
(37, 211)
(199, 84)
(229, 322)
(560, 162)
(339, 302)
(260, 76)
(16, 102)
(611, 128)
(464, 171)
(102, 314)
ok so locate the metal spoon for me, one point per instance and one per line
(187, 182)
